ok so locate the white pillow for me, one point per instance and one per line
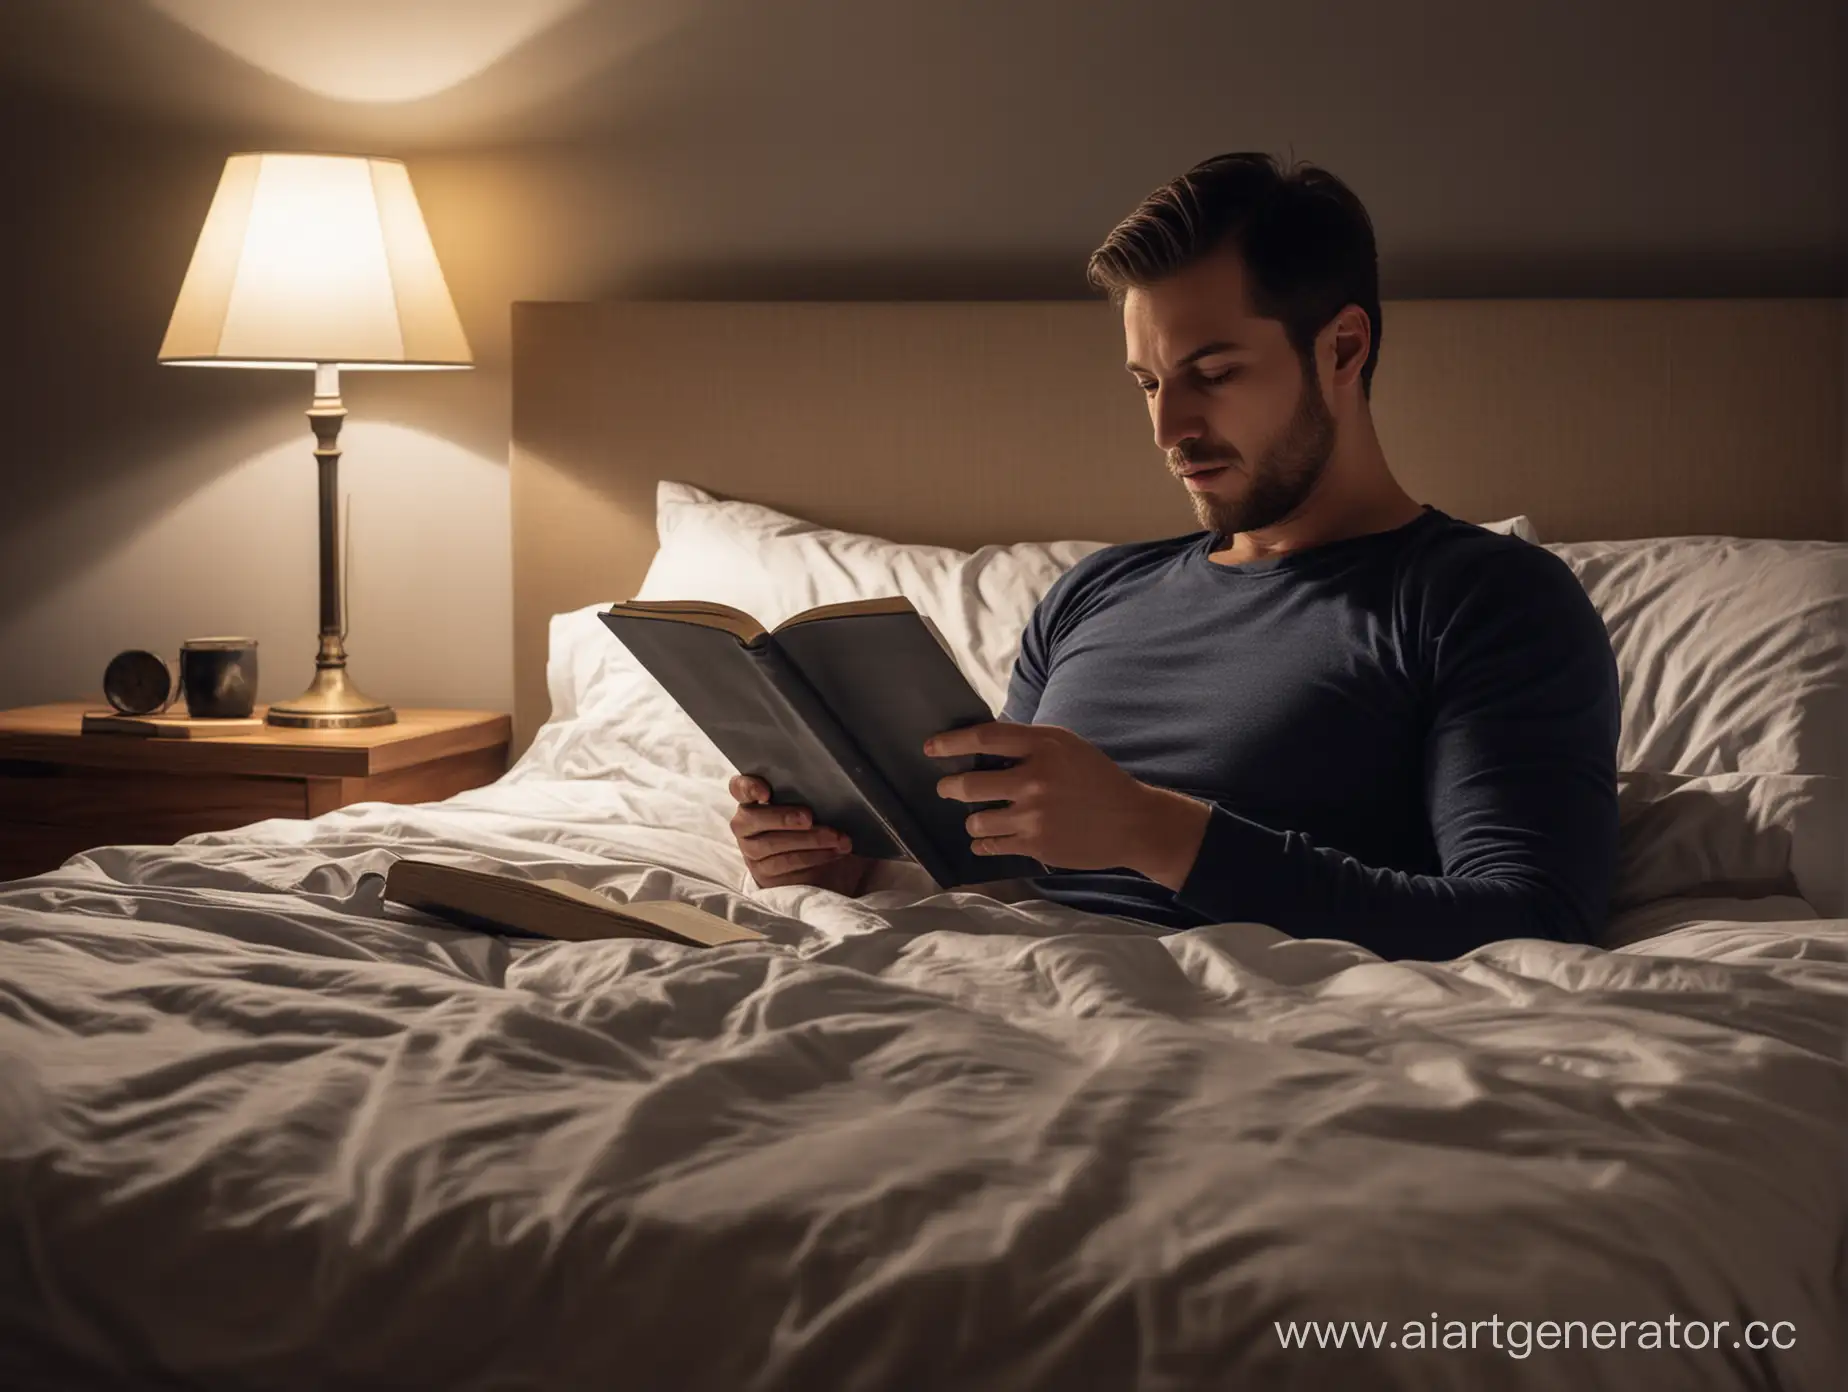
(1732, 654)
(1732, 658)
(610, 718)
(772, 566)
(1520, 526)
(1751, 834)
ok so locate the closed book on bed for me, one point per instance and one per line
(831, 709)
(550, 908)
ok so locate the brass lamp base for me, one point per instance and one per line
(332, 703)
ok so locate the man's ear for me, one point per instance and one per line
(1353, 339)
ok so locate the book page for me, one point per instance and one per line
(852, 608)
(705, 928)
(705, 613)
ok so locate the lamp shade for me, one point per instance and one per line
(314, 259)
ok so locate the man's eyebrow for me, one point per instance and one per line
(1205, 350)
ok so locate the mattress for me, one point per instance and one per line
(258, 1131)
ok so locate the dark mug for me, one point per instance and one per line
(219, 677)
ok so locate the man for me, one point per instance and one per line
(1333, 711)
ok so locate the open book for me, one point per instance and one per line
(831, 709)
(550, 908)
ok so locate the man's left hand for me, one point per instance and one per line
(1069, 804)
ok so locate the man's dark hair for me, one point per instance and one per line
(1305, 239)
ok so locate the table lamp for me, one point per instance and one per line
(317, 262)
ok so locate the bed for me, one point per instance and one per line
(258, 1130)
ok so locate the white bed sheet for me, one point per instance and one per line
(255, 1133)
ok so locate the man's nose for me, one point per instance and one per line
(1174, 419)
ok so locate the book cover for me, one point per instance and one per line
(831, 709)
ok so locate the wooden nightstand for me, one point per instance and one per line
(62, 792)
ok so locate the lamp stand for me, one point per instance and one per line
(331, 701)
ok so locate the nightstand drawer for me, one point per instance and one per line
(111, 806)
(54, 796)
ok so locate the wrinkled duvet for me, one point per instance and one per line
(256, 1132)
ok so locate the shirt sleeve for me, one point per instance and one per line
(1028, 681)
(1520, 784)
(1067, 600)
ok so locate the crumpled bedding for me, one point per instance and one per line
(257, 1131)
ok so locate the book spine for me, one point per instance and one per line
(880, 796)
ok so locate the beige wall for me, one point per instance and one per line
(778, 148)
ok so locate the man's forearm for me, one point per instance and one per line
(1172, 828)
(1248, 873)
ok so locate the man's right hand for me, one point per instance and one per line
(781, 847)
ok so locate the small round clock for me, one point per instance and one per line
(138, 683)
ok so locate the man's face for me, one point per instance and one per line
(1244, 425)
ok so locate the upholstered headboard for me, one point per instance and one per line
(965, 423)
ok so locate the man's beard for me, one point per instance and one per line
(1284, 477)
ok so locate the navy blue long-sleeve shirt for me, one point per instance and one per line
(1408, 739)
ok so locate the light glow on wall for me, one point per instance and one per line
(369, 50)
